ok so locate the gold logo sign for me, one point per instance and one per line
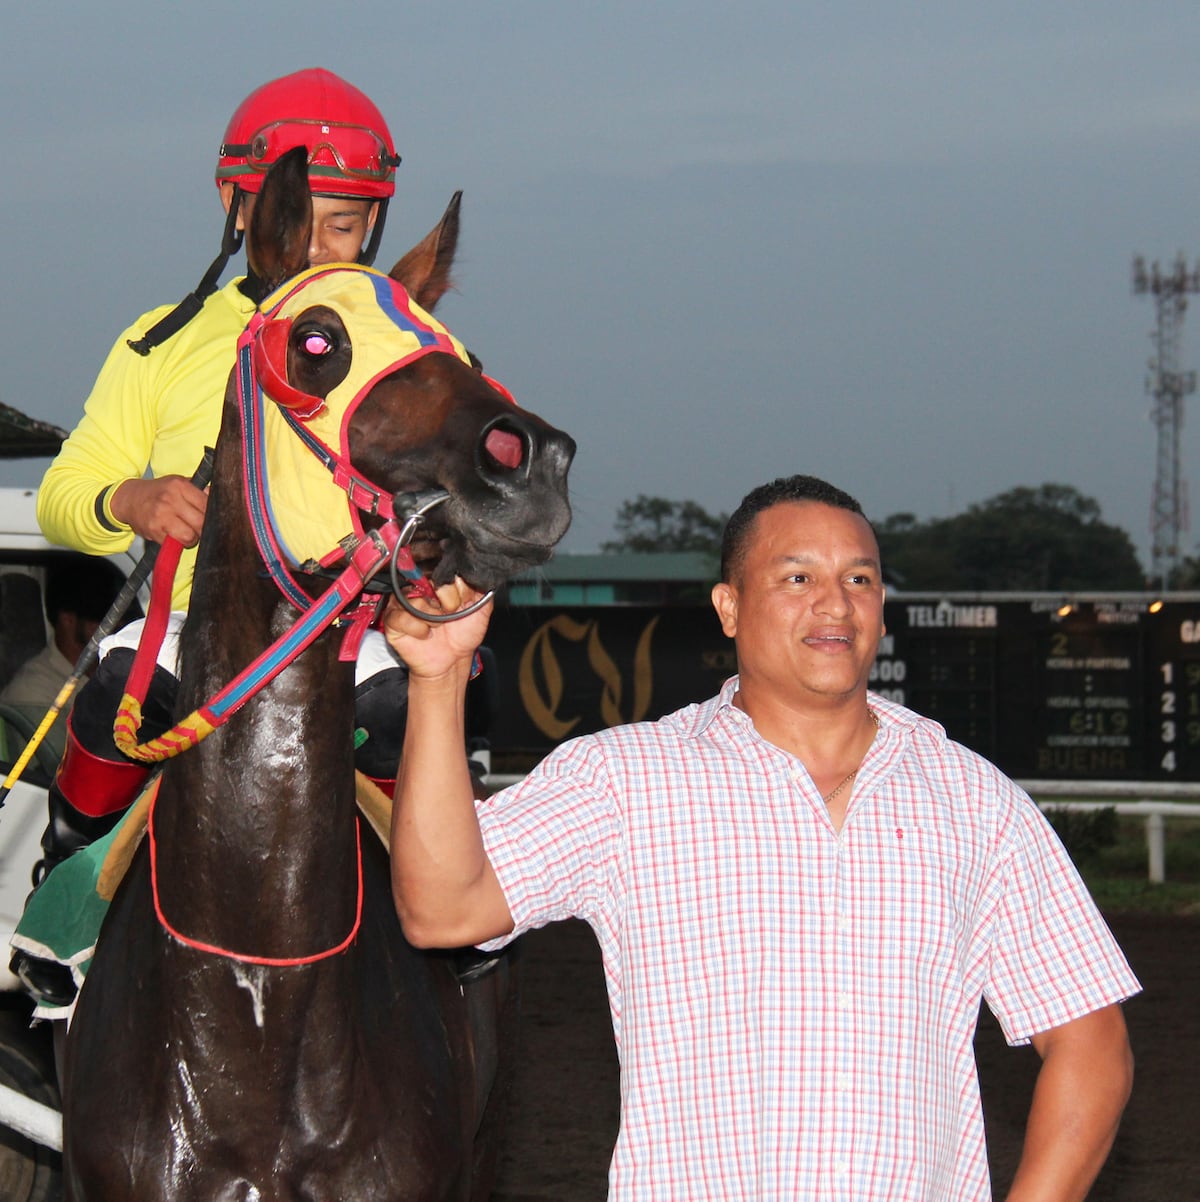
(542, 682)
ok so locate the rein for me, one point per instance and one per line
(371, 555)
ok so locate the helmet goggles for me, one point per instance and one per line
(336, 150)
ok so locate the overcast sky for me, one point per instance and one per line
(885, 243)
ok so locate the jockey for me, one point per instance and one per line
(157, 401)
(156, 405)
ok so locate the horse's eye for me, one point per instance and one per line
(316, 344)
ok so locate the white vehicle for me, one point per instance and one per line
(28, 1172)
(23, 632)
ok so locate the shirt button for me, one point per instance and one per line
(840, 1168)
(843, 1001)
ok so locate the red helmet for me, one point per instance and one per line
(350, 150)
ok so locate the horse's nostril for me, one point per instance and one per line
(506, 448)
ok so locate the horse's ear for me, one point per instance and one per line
(425, 270)
(281, 224)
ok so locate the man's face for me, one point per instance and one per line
(806, 610)
(340, 225)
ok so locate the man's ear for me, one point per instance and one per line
(725, 602)
(227, 195)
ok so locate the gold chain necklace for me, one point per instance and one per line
(853, 771)
(838, 788)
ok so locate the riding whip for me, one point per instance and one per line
(88, 656)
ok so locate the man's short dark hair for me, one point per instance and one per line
(84, 585)
(786, 488)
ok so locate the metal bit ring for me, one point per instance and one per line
(424, 502)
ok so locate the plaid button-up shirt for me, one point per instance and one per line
(794, 1007)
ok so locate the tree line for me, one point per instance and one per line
(1050, 538)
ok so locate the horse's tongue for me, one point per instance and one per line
(505, 448)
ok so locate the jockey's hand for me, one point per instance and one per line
(436, 649)
(169, 507)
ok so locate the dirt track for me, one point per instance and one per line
(565, 1109)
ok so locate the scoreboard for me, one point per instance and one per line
(1099, 689)
(1094, 688)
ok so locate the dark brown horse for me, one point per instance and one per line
(367, 1073)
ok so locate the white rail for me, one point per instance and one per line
(33, 1119)
(1155, 801)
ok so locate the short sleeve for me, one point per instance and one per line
(553, 840)
(1052, 958)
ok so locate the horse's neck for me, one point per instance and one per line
(264, 805)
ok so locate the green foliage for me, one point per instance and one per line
(1115, 895)
(1187, 574)
(1117, 875)
(656, 524)
(1085, 833)
(1048, 538)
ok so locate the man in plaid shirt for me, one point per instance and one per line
(801, 892)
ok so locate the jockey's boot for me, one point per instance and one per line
(70, 829)
(95, 784)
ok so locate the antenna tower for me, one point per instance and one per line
(1168, 386)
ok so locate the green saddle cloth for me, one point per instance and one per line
(62, 919)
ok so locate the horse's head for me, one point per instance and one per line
(366, 383)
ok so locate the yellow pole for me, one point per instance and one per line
(35, 740)
(108, 624)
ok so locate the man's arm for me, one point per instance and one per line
(111, 444)
(445, 891)
(1081, 1091)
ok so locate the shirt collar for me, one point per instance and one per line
(891, 713)
(706, 713)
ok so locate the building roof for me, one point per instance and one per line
(23, 437)
(664, 566)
